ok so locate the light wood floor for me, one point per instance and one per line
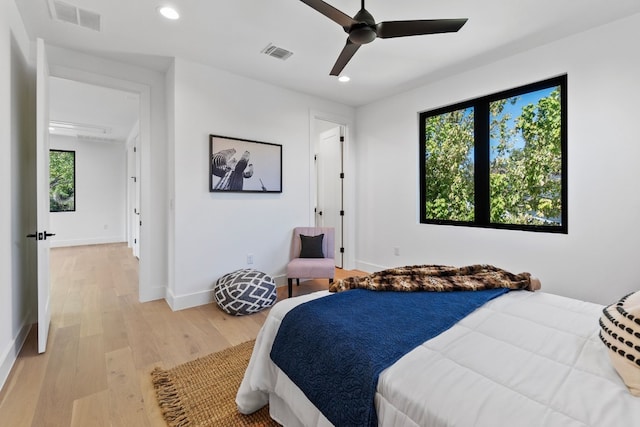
(103, 344)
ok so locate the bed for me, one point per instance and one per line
(522, 358)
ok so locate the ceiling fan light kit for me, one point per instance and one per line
(362, 29)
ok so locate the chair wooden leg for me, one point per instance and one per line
(298, 282)
(290, 283)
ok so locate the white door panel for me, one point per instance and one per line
(42, 194)
(329, 183)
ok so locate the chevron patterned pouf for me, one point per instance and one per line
(245, 291)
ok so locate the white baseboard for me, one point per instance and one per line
(10, 354)
(56, 243)
(180, 302)
(280, 280)
(369, 267)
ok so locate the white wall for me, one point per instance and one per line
(597, 260)
(101, 179)
(17, 184)
(214, 232)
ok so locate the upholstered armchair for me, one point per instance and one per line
(312, 255)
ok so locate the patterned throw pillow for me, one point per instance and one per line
(245, 291)
(620, 331)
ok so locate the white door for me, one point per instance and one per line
(42, 194)
(131, 174)
(329, 182)
(133, 201)
(136, 202)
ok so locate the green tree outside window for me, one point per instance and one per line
(498, 161)
(62, 181)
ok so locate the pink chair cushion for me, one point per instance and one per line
(311, 268)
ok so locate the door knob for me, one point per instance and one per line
(40, 235)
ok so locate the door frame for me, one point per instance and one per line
(349, 180)
(145, 288)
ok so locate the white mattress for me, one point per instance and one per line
(523, 359)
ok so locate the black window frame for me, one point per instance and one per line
(75, 189)
(482, 157)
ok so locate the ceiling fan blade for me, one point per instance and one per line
(330, 12)
(389, 29)
(347, 53)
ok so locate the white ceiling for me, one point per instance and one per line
(108, 114)
(231, 34)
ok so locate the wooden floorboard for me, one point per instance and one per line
(103, 344)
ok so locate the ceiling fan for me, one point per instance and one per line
(362, 29)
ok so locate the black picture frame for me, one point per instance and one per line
(244, 166)
(62, 181)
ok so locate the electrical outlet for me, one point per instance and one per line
(249, 258)
(396, 251)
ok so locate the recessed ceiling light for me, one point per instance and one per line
(344, 79)
(169, 12)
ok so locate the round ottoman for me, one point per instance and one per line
(245, 291)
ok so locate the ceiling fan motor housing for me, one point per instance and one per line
(364, 31)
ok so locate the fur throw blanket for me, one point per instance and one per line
(439, 278)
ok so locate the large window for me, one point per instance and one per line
(498, 161)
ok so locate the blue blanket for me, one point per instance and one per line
(334, 348)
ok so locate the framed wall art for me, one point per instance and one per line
(241, 165)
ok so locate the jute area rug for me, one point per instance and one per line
(203, 392)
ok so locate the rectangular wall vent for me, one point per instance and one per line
(90, 138)
(277, 52)
(71, 14)
(65, 12)
(89, 19)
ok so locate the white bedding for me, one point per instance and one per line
(523, 359)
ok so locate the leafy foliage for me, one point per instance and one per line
(449, 166)
(61, 181)
(525, 178)
(525, 163)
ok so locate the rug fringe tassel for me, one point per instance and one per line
(168, 399)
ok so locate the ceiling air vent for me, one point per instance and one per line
(90, 138)
(89, 19)
(71, 14)
(277, 52)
